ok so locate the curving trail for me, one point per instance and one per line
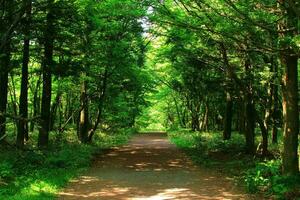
(149, 168)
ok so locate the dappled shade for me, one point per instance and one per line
(149, 167)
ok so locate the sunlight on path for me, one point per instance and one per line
(149, 168)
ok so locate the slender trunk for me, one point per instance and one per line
(5, 55)
(61, 114)
(43, 138)
(23, 108)
(4, 65)
(228, 117)
(250, 125)
(205, 118)
(275, 102)
(180, 118)
(54, 107)
(13, 96)
(100, 105)
(241, 116)
(36, 103)
(229, 103)
(195, 117)
(264, 134)
(84, 114)
(250, 112)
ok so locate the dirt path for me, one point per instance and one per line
(149, 168)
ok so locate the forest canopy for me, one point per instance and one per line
(91, 66)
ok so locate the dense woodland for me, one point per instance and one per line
(90, 66)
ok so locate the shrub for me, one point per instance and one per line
(6, 170)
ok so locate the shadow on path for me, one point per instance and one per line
(149, 168)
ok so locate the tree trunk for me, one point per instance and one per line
(290, 115)
(23, 108)
(6, 28)
(54, 107)
(229, 103)
(100, 105)
(241, 116)
(204, 124)
(43, 137)
(84, 114)
(4, 65)
(264, 134)
(250, 126)
(275, 102)
(36, 103)
(228, 117)
(289, 62)
(180, 118)
(250, 112)
(195, 116)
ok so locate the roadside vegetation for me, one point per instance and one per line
(255, 173)
(34, 174)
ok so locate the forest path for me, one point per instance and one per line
(149, 167)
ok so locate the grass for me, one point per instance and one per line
(34, 174)
(256, 174)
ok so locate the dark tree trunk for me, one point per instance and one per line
(195, 116)
(43, 138)
(36, 103)
(241, 116)
(100, 105)
(23, 108)
(229, 103)
(275, 102)
(250, 126)
(250, 111)
(290, 115)
(4, 65)
(55, 106)
(6, 28)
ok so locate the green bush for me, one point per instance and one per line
(6, 170)
(261, 176)
(266, 177)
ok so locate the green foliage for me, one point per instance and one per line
(267, 177)
(261, 175)
(6, 170)
(39, 175)
(206, 148)
(209, 149)
(212, 141)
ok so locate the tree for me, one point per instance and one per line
(289, 62)
(47, 66)
(23, 110)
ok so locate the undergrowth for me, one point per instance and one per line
(258, 175)
(38, 175)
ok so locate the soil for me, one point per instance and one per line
(149, 167)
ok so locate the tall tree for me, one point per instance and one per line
(7, 8)
(47, 67)
(288, 29)
(23, 108)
